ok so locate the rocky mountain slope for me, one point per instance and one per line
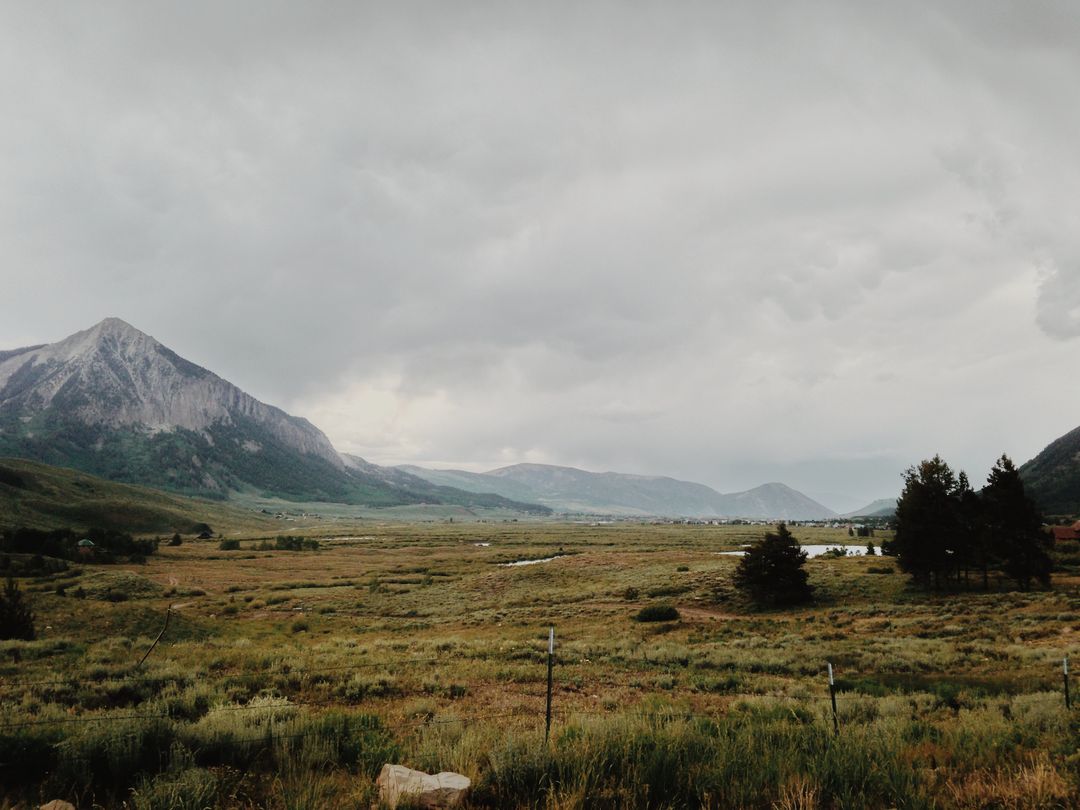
(115, 402)
(567, 489)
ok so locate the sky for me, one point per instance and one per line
(726, 242)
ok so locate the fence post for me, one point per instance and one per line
(551, 674)
(168, 613)
(1065, 678)
(832, 697)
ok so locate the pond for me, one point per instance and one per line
(815, 550)
(530, 562)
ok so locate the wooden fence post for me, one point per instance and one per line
(551, 675)
(832, 697)
(1065, 678)
(168, 613)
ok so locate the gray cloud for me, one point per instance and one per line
(720, 241)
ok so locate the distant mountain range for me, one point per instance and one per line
(567, 489)
(114, 402)
(882, 507)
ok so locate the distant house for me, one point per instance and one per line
(1065, 532)
(206, 536)
(87, 548)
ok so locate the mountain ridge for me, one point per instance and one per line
(882, 507)
(569, 489)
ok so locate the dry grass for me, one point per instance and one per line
(423, 626)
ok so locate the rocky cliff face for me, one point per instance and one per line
(113, 375)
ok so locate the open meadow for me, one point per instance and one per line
(285, 679)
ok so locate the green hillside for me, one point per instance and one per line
(40, 496)
(1052, 478)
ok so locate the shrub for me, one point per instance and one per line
(657, 613)
(231, 544)
(176, 540)
(290, 543)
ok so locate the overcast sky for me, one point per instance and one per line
(727, 242)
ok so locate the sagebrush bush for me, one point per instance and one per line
(657, 613)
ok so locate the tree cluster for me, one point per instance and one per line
(945, 531)
(64, 543)
(772, 572)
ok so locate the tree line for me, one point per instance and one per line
(947, 534)
(64, 543)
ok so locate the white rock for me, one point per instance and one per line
(397, 783)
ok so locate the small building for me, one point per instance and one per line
(87, 548)
(1065, 532)
(206, 536)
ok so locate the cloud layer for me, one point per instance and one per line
(723, 242)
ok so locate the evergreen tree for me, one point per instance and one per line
(932, 536)
(16, 618)
(969, 545)
(772, 572)
(1013, 527)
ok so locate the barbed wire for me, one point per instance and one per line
(272, 708)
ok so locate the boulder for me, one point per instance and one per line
(397, 783)
(58, 804)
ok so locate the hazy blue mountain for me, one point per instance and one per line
(114, 402)
(401, 479)
(567, 489)
(776, 500)
(882, 507)
(474, 482)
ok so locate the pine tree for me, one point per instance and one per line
(931, 533)
(772, 572)
(1013, 527)
(16, 618)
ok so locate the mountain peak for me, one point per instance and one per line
(111, 336)
(115, 326)
(115, 376)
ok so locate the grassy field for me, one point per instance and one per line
(286, 679)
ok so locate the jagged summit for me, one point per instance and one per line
(114, 374)
(114, 325)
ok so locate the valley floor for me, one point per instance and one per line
(286, 679)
